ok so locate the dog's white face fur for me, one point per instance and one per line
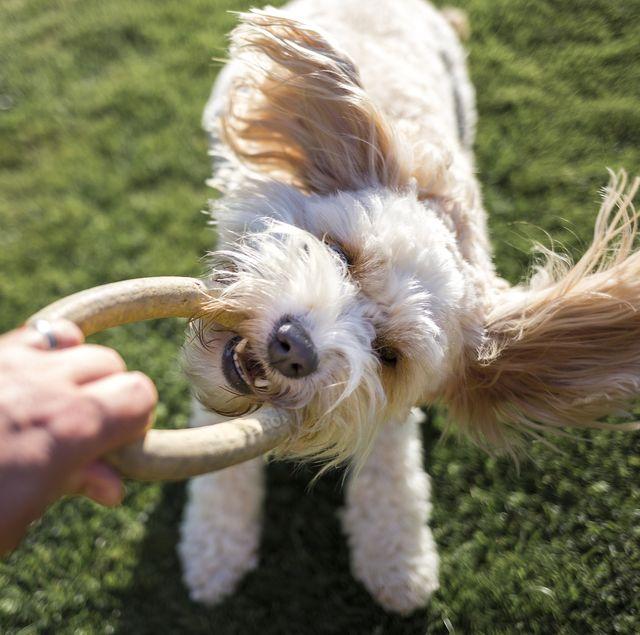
(372, 275)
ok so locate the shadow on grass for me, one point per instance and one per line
(302, 585)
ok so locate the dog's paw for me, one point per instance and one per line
(393, 552)
(220, 533)
(213, 565)
(401, 579)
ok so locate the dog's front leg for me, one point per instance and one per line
(221, 525)
(388, 503)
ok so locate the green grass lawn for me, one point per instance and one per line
(102, 169)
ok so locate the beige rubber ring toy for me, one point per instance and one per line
(167, 455)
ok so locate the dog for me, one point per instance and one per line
(355, 262)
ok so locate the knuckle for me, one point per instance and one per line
(81, 418)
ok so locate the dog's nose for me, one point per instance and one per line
(291, 350)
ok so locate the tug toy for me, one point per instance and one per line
(166, 455)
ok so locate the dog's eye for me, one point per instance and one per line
(386, 354)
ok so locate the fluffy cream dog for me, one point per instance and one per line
(355, 263)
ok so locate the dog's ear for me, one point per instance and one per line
(299, 113)
(565, 350)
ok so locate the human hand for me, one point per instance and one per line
(60, 411)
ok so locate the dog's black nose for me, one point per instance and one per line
(291, 350)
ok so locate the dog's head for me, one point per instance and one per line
(345, 310)
(345, 288)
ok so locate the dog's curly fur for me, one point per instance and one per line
(342, 144)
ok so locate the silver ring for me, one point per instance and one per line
(46, 330)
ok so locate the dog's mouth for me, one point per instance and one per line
(242, 369)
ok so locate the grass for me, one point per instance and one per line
(102, 169)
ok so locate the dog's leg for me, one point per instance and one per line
(221, 525)
(388, 503)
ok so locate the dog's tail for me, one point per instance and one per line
(565, 349)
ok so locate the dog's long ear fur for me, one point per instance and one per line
(300, 114)
(565, 350)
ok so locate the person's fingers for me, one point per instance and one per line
(63, 334)
(126, 403)
(57, 335)
(97, 481)
(83, 364)
(102, 484)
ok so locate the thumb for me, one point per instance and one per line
(99, 482)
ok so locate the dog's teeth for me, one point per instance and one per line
(262, 383)
(238, 365)
(242, 344)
